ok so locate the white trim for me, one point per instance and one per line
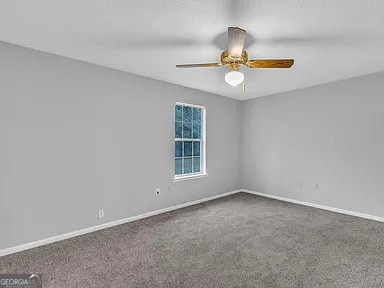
(191, 105)
(203, 145)
(188, 139)
(328, 208)
(57, 238)
(189, 177)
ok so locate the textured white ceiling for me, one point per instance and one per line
(329, 39)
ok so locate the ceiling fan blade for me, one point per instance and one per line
(236, 39)
(272, 63)
(198, 65)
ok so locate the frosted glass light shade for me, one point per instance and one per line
(234, 78)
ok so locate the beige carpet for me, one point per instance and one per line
(238, 241)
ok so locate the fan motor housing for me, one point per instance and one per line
(227, 59)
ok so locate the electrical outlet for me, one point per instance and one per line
(157, 191)
(317, 186)
(169, 188)
(101, 213)
(301, 185)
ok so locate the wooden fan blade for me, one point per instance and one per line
(236, 39)
(272, 63)
(198, 65)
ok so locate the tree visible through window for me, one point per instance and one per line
(189, 140)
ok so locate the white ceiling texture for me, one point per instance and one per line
(329, 39)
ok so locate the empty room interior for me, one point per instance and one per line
(176, 143)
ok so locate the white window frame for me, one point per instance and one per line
(203, 144)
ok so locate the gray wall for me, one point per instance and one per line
(331, 134)
(77, 137)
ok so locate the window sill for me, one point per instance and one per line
(189, 177)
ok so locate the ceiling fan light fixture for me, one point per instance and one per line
(234, 78)
(235, 56)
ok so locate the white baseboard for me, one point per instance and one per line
(338, 210)
(57, 238)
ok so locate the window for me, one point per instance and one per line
(189, 141)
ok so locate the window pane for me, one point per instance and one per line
(178, 166)
(196, 164)
(178, 149)
(178, 130)
(196, 148)
(188, 165)
(187, 148)
(187, 130)
(196, 115)
(178, 113)
(187, 114)
(196, 130)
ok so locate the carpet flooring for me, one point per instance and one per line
(237, 241)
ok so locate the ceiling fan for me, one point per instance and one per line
(235, 56)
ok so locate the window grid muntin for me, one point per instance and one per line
(192, 156)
